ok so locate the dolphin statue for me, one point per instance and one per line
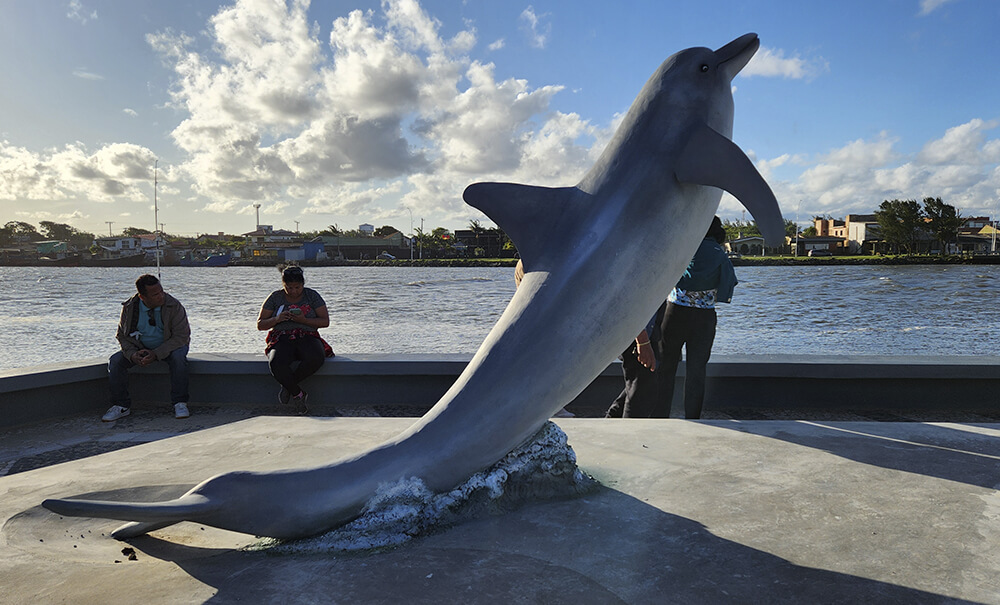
(599, 258)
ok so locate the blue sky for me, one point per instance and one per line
(382, 112)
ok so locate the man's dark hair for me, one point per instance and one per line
(144, 282)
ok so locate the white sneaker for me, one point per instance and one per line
(115, 412)
(564, 413)
(181, 410)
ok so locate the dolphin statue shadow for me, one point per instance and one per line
(636, 217)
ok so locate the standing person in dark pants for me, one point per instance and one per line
(641, 394)
(690, 320)
(294, 316)
(153, 327)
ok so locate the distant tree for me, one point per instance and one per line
(738, 229)
(135, 231)
(901, 223)
(791, 228)
(56, 231)
(810, 231)
(19, 231)
(331, 230)
(498, 243)
(943, 221)
(385, 230)
(65, 233)
(477, 229)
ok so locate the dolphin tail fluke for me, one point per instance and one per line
(527, 214)
(711, 159)
(186, 507)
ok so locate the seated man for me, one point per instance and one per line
(153, 327)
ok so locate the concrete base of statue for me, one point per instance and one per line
(687, 512)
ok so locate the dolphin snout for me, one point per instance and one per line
(734, 56)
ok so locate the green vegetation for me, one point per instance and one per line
(904, 222)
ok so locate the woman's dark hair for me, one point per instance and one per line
(292, 274)
(717, 231)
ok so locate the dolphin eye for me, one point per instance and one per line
(704, 68)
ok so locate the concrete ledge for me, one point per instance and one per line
(735, 381)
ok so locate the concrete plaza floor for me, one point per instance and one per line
(710, 511)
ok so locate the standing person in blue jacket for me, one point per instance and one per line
(689, 321)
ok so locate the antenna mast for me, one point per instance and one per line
(156, 221)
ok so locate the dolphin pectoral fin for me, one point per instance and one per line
(527, 214)
(135, 529)
(711, 159)
(171, 511)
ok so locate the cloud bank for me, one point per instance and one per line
(383, 115)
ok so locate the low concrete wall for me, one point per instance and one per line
(418, 381)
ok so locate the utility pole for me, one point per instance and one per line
(257, 208)
(109, 227)
(421, 239)
(156, 219)
(296, 226)
(410, 210)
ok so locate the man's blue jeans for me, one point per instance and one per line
(118, 367)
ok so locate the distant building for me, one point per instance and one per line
(118, 247)
(803, 245)
(267, 244)
(52, 248)
(368, 247)
(747, 246)
(831, 228)
(490, 241)
(366, 229)
(863, 233)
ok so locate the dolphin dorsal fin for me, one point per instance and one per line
(529, 215)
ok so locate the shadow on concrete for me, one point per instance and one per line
(604, 548)
(924, 449)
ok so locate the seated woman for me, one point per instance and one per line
(294, 316)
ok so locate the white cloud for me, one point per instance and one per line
(537, 32)
(960, 167)
(130, 112)
(86, 75)
(389, 113)
(769, 62)
(387, 116)
(77, 12)
(929, 6)
(497, 45)
(960, 145)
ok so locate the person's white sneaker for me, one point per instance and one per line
(115, 412)
(181, 410)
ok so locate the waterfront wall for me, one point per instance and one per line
(411, 384)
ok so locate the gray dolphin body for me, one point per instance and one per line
(599, 259)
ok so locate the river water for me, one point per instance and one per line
(55, 314)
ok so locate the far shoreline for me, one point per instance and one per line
(742, 261)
